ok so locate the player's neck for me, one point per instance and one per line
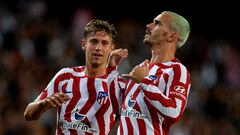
(162, 54)
(95, 71)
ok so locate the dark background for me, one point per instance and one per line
(207, 18)
(39, 37)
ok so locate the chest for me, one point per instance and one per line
(86, 91)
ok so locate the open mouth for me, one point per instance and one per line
(97, 54)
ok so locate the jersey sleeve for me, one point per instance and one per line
(52, 86)
(172, 102)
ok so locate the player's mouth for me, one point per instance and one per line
(97, 54)
(148, 32)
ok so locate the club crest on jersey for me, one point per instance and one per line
(102, 97)
(78, 116)
(153, 77)
(179, 89)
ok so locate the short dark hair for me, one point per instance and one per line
(96, 25)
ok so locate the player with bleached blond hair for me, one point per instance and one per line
(157, 93)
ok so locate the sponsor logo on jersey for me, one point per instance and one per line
(180, 89)
(153, 77)
(131, 102)
(130, 112)
(102, 97)
(78, 116)
(76, 125)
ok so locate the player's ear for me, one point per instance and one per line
(173, 36)
(83, 42)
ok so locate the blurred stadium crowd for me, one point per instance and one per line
(34, 47)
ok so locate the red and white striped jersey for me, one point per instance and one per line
(152, 106)
(93, 104)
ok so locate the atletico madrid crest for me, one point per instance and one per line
(102, 97)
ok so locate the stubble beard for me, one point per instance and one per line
(147, 41)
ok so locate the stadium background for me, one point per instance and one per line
(39, 37)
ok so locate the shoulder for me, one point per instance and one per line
(182, 68)
(176, 65)
(71, 70)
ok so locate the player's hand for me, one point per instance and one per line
(56, 100)
(116, 56)
(138, 72)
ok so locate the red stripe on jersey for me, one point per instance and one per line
(64, 88)
(73, 132)
(100, 117)
(61, 77)
(114, 98)
(59, 131)
(86, 121)
(91, 99)
(122, 81)
(136, 93)
(67, 115)
(104, 84)
(78, 69)
(158, 73)
(110, 69)
(158, 97)
(112, 121)
(127, 91)
(43, 95)
(120, 127)
(187, 85)
(92, 96)
(153, 114)
(147, 81)
(176, 78)
(165, 77)
(150, 65)
(73, 101)
(101, 111)
(141, 123)
(130, 87)
(129, 126)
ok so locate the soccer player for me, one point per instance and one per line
(87, 98)
(157, 92)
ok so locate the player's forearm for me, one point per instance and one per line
(34, 110)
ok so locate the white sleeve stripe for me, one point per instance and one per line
(169, 83)
(124, 123)
(183, 77)
(153, 70)
(169, 111)
(151, 88)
